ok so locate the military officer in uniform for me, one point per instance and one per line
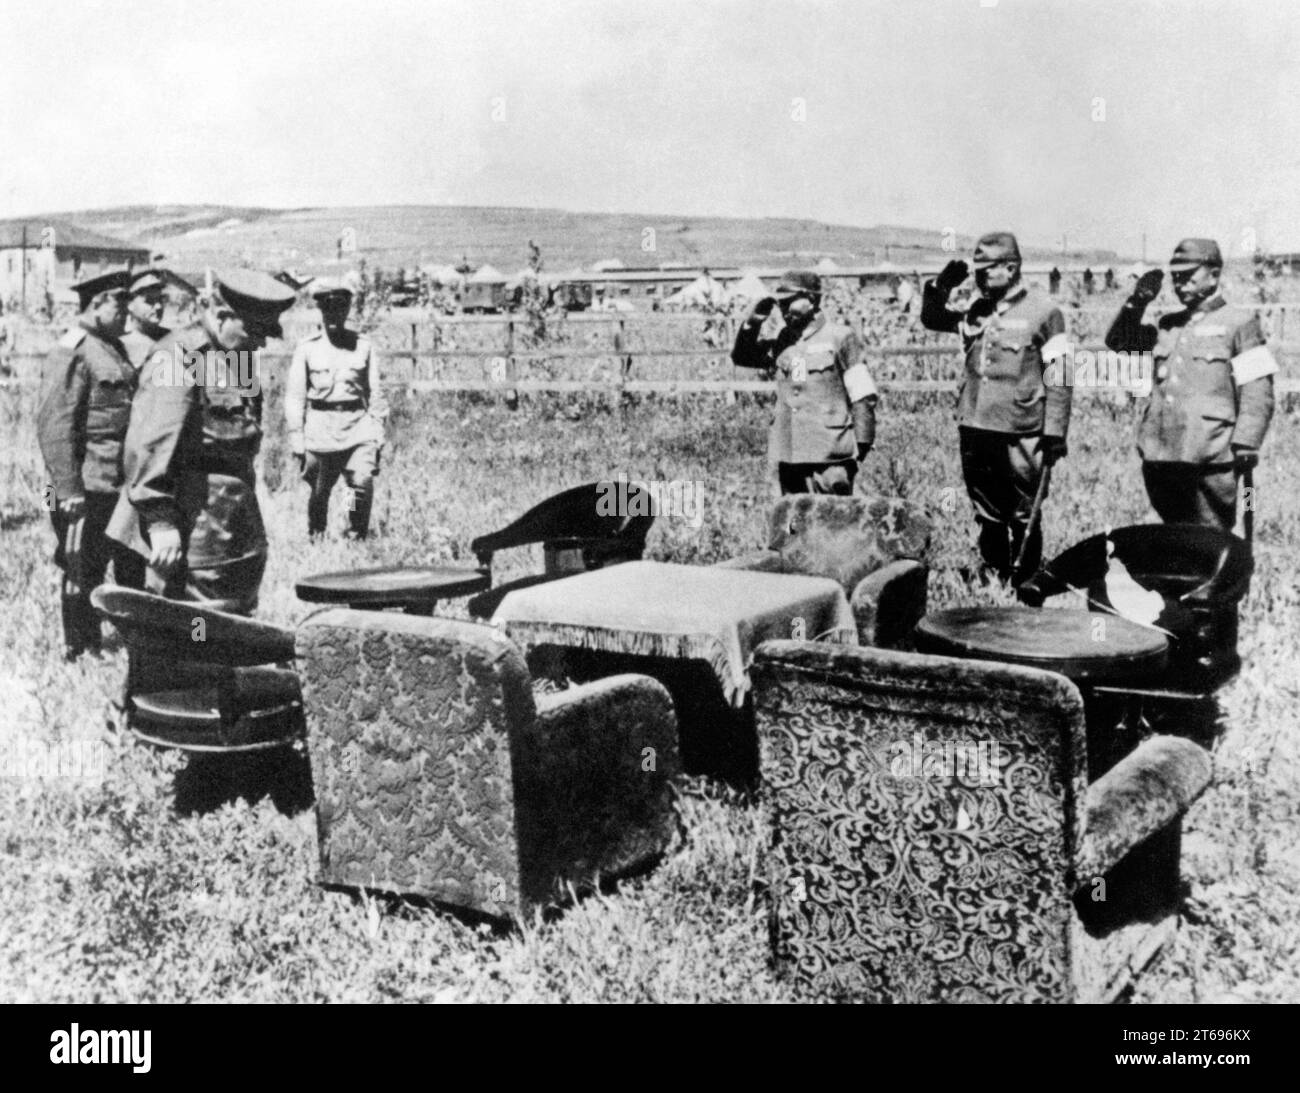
(335, 411)
(825, 420)
(145, 307)
(1212, 396)
(189, 504)
(1012, 421)
(85, 402)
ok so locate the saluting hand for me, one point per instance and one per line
(1147, 287)
(952, 275)
(165, 550)
(762, 309)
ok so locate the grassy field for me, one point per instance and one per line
(140, 886)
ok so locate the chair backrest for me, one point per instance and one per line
(604, 519)
(411, 724)
(925, 816)
(182, 630)
(846, 538)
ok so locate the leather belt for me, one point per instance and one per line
(351, 404)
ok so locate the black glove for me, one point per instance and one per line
(1244, 459)
(1031, 593)
(863, 451)
(1147, 288)
(1054, 449)
(952, 275)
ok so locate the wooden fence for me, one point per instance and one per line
(454, 353)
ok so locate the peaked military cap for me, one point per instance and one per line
(327, 287)
(257, 298)
(88, 289)
(996, 247)
(290, 277)
(1191, 253)
(799, 282)
(148, 280)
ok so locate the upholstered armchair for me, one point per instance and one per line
(934, 838)
(875, 547)
(440, 775)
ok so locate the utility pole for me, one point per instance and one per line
(1144, 248)
(23, 260)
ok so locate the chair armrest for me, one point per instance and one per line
(764, 561)
(1140, 795)
(888, 603)
(592, 778)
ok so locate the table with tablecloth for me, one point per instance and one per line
(670, 621)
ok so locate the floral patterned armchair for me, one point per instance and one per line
(874, 546)
(933, 838)
(438, 774)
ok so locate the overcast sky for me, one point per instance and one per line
(1097, 120)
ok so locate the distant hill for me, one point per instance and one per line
(194, 236)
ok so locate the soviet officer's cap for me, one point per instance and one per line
(147, 280)
(799, 282)
(87, 290)
(996, 247)
(327, 288)
(1191, 253)
(257, 298)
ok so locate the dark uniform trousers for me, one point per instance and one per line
(85, 570)
(1192, 493)
(322, 470)
(1002, 473)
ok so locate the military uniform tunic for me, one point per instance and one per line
(139, 344)
(335, 412)
(1004, 409)
(189, 465)
(821, 381)
(333, 398)
(1212, 390)
(81, 421)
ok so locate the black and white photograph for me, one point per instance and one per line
(651, 501)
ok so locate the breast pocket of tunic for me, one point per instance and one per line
(320, 381)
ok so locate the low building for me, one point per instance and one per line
(43, 257)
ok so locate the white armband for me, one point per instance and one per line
(1253, 364)
(1058, 345)
(858, 383)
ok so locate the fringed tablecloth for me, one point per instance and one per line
(694, 612)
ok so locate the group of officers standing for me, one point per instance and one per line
(149, 437)
(1199, 431)
(152, 465)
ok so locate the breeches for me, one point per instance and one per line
(358, 467)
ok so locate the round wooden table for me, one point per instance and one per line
(1089, 648)
(1086, 647)
(415, 589)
